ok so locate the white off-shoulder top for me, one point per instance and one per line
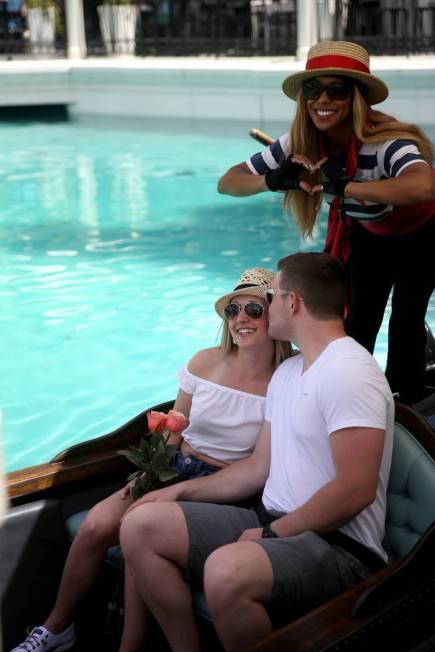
(224, 422)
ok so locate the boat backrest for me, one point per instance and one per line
(410, 495)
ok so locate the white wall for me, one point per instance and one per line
(247, 89)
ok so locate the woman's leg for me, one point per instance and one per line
(137, 616)
(370, 279)
(99, 531)
(155, 544)
(414, 283)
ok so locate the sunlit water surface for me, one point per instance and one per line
(114, 246)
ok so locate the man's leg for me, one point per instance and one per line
(99, 531)
(291, 577)
(238, 581)
(155, 544)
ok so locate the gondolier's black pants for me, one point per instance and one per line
(405, 264)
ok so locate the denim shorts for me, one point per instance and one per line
(191, 467)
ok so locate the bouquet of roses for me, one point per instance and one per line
(154, 455)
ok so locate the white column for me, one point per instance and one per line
(307, 27)
(75, 29)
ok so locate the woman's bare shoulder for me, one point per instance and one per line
(203, 361)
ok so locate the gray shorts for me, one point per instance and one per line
(307, 570)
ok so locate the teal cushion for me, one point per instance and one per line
(410, 494)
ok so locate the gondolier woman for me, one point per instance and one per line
(376, 174)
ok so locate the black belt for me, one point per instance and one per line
(366, 556)
(335, 538)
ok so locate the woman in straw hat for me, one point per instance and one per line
(376, 174)
(222, 393)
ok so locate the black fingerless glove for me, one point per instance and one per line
(285, 177)
(336, 178)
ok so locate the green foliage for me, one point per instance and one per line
(40, 4)
(153, 458)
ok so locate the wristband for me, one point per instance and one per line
(268, 533)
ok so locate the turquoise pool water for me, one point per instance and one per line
(114, 245)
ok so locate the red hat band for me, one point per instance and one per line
(336, 61)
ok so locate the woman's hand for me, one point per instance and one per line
(336, 178)
(286, 176)
(126, 491)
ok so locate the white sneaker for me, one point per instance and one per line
(41, 640)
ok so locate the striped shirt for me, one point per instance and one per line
(376, 161)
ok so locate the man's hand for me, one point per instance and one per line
(285, 177)
(253, 534)
(167, 494)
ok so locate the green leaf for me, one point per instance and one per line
(133, 475)
(171, 451)
(162, 447)
(160, 463)
(136, 491)
(167, 474)
(156, 438)
(134, 457)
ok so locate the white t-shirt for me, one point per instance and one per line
(223, 422)
(343, 388)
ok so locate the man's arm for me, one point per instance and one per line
(357, 454)
(235, 482)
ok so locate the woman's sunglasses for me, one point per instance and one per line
(252, 309)
(336, 90)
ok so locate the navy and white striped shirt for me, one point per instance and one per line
(376, 161)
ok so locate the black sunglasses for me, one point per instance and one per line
(270, 293)
(335, 90)
(252, 309)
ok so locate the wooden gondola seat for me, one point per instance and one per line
(410, 500)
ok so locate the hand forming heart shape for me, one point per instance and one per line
(311, 167)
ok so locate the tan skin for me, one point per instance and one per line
(248, 368)
(238, 577)
(414, 185)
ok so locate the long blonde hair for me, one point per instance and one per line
(369, 126)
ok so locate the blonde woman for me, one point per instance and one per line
(222, 392)
(376, 174)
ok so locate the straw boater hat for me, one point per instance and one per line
(253, 281)
(339, 58)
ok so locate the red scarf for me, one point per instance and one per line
(401, 220)
(339, 224)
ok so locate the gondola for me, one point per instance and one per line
(392, 609)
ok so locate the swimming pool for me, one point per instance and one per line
(114, 244)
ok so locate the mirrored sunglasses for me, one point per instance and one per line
(252, 309)
(336, 90)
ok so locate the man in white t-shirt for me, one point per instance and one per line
(323, 459)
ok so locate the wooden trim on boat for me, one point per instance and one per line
(82, 461)
(345, 621)
(417, 425)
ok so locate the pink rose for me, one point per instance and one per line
(157, 421)
(176, 421)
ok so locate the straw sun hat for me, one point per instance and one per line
(339, 58)
(253, 282)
